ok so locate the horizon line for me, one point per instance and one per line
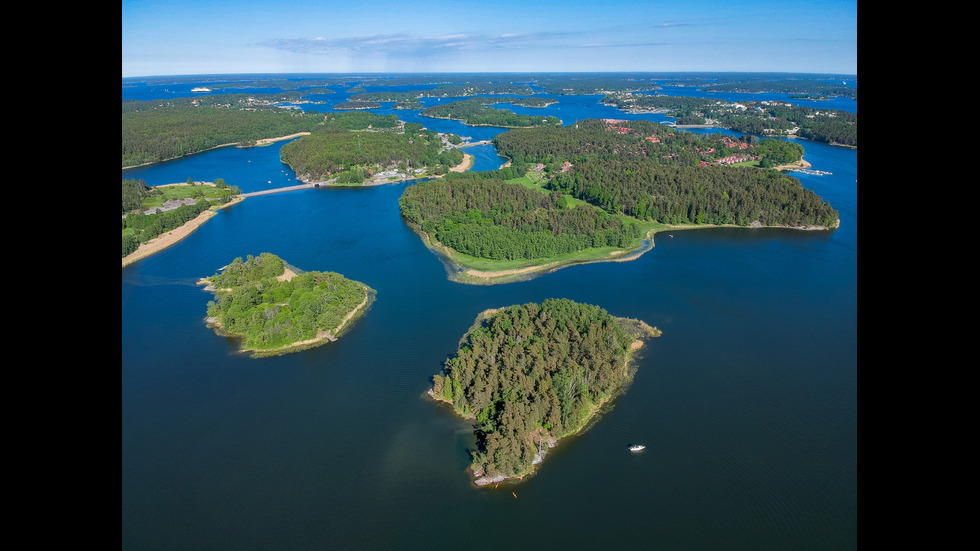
(550, 72)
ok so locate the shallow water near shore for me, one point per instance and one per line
(747, 403)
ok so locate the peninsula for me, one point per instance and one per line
(275, 310)
(154, 218)
(598, 191)
(529, 375)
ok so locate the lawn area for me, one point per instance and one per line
(536, 181)
(185, 191)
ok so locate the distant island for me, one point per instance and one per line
(275, 310)
(765, 118)
(477, 112)
(529, 375)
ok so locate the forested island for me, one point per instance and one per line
(531, 374)
(341, 156)
(477, 112)
(766, 118)
(597, 191)
(275, 310)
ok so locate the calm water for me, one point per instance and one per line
(747, 403)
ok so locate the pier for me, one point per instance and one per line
(813, 172)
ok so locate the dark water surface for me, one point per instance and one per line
(747, 403)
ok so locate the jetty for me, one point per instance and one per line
(813, 172)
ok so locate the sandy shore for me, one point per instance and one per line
(165, 240)
(267, 141)
(467, 164)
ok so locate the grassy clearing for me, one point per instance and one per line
(185, 191)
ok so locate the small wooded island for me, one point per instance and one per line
(531, 374)
(275, 310)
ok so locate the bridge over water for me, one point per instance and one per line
(279, 190)
(317, 184)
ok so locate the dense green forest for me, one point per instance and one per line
(159, 130)
(493, 219)
(329, 152)
(138, 227)
(270, 314)
(476, 112)
(654, 142)
(832, 126)
(532, 373)
(627, 173)
(696, 195)
(622, 176)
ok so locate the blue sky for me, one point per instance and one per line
(184, 37)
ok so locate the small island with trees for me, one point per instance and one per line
(529, 375)
(478, 112)
(374, 153)
(275, 309)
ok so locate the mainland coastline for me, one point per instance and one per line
(174, 236)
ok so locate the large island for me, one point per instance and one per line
(599, 190)
(531, 374)
(275, 310)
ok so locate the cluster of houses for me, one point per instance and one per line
(730, 160)
(614, 125)
(565, 167)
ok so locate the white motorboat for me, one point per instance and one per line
(637, 447)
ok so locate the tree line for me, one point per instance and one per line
(654, 142)
(493, 219)
(695, 195)
(159, 130)
(531, 372)
(148, 226)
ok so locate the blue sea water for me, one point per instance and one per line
(747, 403)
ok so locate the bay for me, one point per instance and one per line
(747, 403)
